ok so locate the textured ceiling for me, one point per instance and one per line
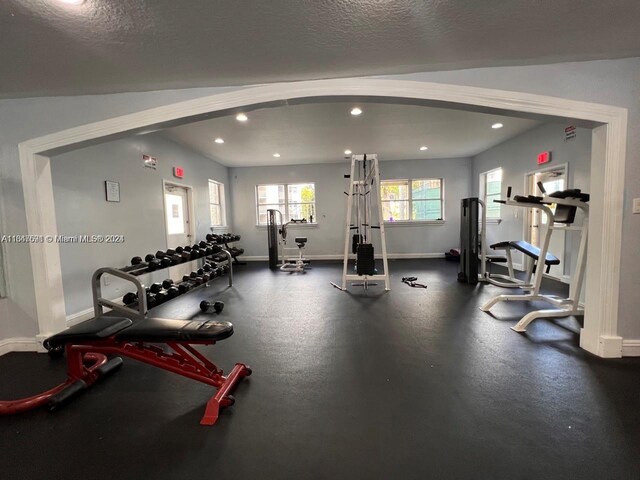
(320, 133)
(130, 45)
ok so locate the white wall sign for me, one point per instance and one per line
(112, 190)
(570, 132)
(150, 162)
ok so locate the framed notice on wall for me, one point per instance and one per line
(112, 191)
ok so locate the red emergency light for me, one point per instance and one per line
(544, 157)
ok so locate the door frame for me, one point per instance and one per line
(190, 208)
(525, 229)
(609, 141)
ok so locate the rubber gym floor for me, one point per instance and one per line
(406, 384)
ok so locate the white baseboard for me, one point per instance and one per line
(18, 344)
(631, 348)
(79, 317)
(390, 256)
(87, 314)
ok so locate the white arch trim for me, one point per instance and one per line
(600, 332)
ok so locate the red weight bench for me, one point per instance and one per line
(163, 343)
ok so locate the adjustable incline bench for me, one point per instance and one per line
(87, 345)
(163, 343)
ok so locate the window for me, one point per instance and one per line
(418, 200)
(216, 204)
(295, 201)
(490, 190)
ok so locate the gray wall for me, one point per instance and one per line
(517, 157)
(78, 186)
(611, 82)
(328, 237)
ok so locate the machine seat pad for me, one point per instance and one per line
(534, 252)
(167, 330)
(91, 330)
(301, 239)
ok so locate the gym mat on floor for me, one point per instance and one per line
(410, 384)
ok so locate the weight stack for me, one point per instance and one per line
(365, 263)
(272, 233)
(469, 241)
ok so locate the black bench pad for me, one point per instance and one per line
(534, 252)
(501, 245)
(91, 330)
(167, 330)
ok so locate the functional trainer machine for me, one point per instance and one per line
(277, 231)
(364, 180)
(164, 343)
(560, 210)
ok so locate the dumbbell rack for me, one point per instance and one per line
(131, 274)
(226, 242)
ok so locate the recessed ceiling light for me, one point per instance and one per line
(495, 126)
(219, 140)
(277, 155)
(347, 152)
(424, 147)
(241, 117)
(356, 111)
(72, 2)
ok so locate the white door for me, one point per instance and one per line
(176, 203)
(553, 179)
(178, 224)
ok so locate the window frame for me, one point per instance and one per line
(286, 201)
(410, 201)
(482, 191)
(221, 205)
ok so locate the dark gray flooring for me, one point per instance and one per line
(365, 385)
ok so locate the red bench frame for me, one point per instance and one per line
(85, 359)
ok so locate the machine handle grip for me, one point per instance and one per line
(509, 191)
(541, 187)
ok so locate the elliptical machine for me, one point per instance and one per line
(277, 235)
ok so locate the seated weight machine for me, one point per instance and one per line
(566, 203)
(278, 235)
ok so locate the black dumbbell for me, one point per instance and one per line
(167, 283)
(153, 265)
(210, 307)
(172, 292)
(136, 260)
(162, 296)
(151, 300)
(155, 287)
(130, 298)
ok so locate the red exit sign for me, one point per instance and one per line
(544, 157)
(178, 172)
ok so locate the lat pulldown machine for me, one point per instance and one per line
(364, 179)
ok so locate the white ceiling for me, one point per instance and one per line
(102, 46)
(320, 133)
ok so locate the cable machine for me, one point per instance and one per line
(364, 179)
